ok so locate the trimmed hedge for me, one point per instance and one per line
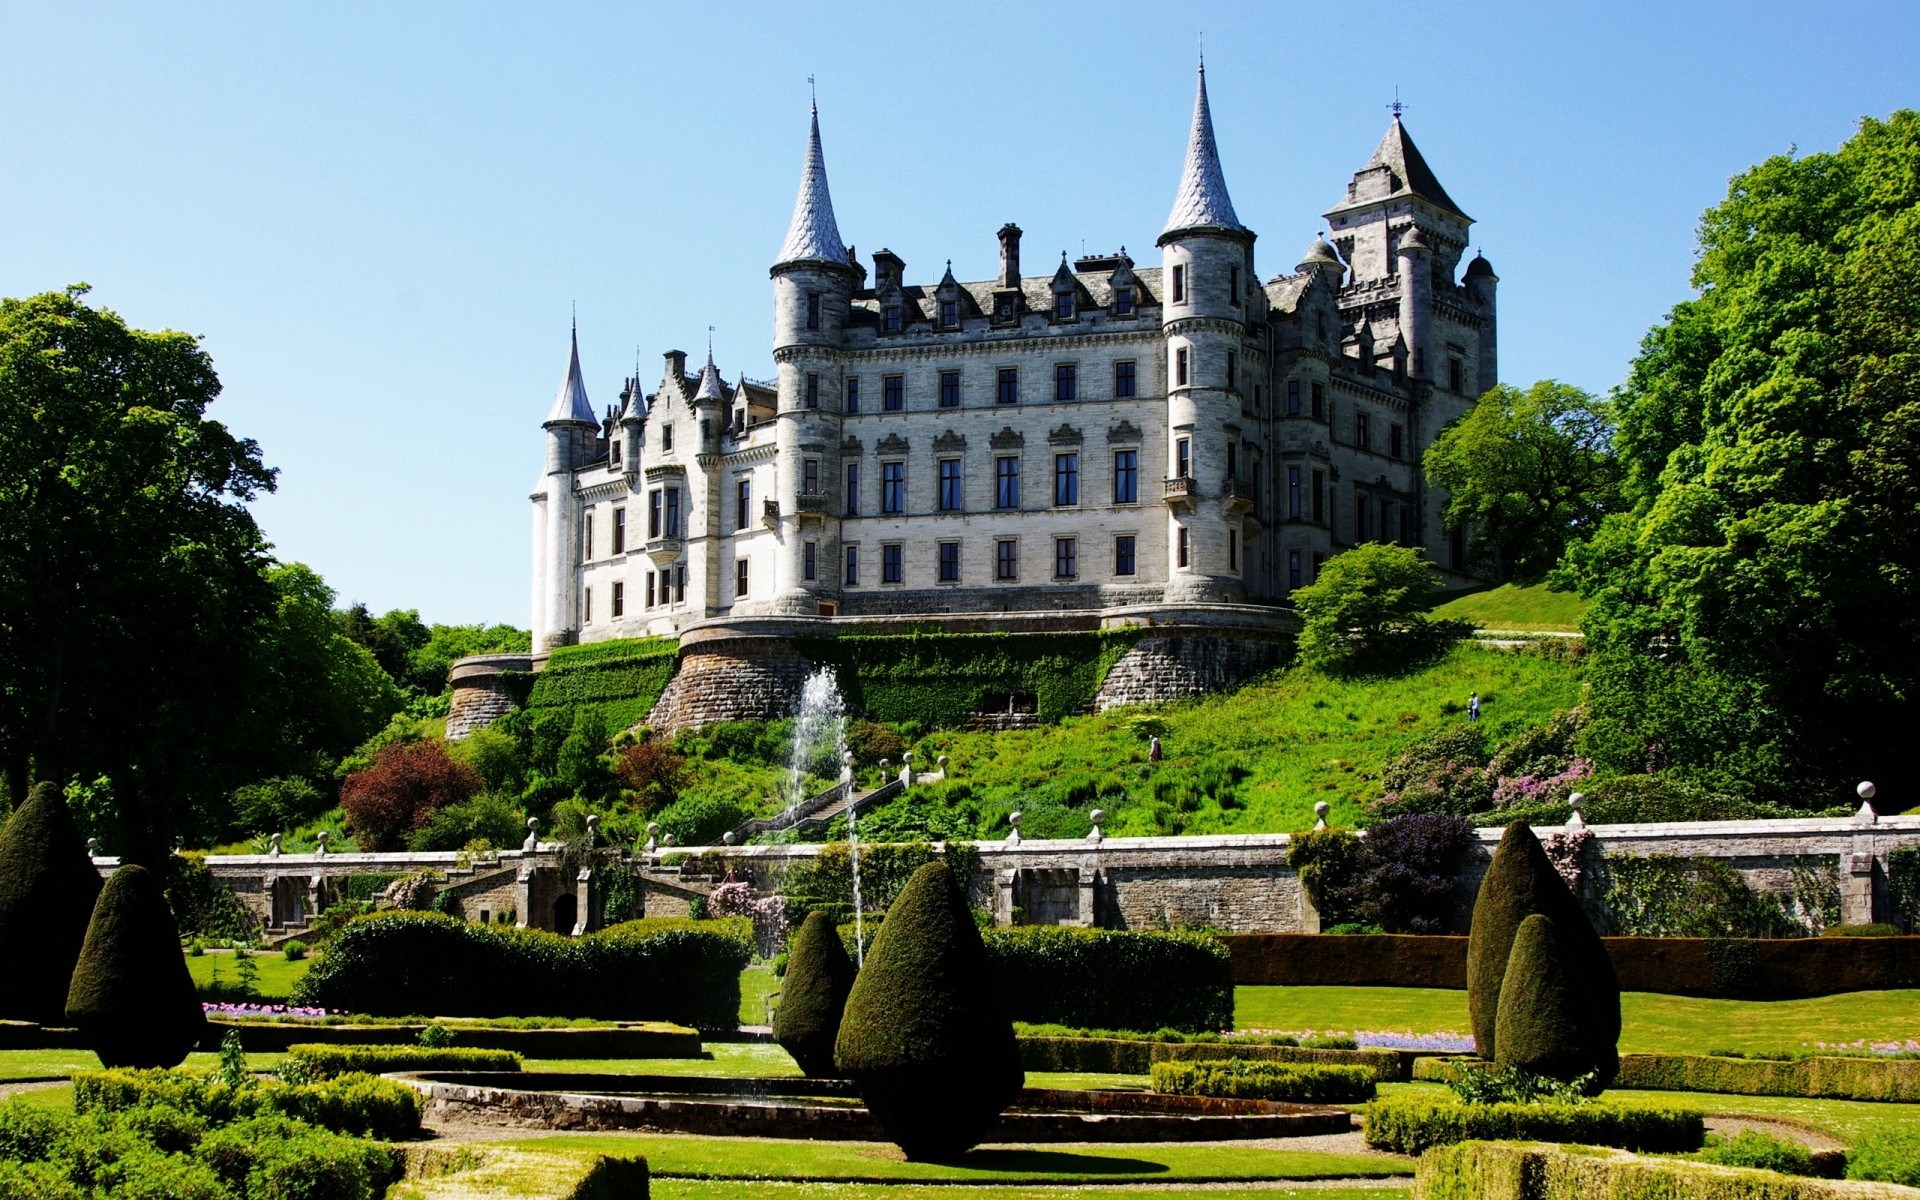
(813, 994)
(362, 1105)
(1716, 968)
(1480, 1170)
(1414, 1124)
(1129, 1056)
(603, 1041)
(132, 997)
(48, 886)
(1823, 1078)
(1241, 1079)
(407, 962)
(325, 1062)
(937, 679)
(1110, 979)
(622, 678)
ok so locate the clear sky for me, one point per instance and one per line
(379, 217)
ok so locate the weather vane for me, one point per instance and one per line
(1396, 108)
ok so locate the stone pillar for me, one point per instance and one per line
(1856, 888)
(523, 894)
(1088, 877)
(582, 898)
(1003, 898)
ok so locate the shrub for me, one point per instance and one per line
(1414, 1124)
(1364, 613)
(48, 885)
(1442, 772)
(274, 1158)
(925, 1033)
(1891, 1156)
(652, 773)
(395, 796)
(294, 950)
(1407, 869)
(399, 963)
(700, 820)
(1247, 1079)
(1520, 882)
(131, 997)
(277, 804)
(871, 741)
(1541, 1021)
(1815, 1077)
(1328, 861)
(1113, 979)
(488, 818)
(362, 1105)
(813, 994)
(325, 1062)
(1760, 1152)
(1518, 1171)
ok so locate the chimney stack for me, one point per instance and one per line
(1009, 255)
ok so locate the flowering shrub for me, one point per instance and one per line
(244, 1012)
(1526, 790)
(1567, 851)
(651, 773)
(407, 782)
(1407, 869)
(1438, 1043)
(736, 898)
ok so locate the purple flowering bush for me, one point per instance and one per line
(736, 898)
(242, 1012)
(1407, 869)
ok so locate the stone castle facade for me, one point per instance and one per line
(1107, 435)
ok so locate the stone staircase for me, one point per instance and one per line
(818, 811)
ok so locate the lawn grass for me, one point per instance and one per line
(38, 1064)
(757, 982)
(1272, 749)
(736, 1189)
(1653, 1024)
(277, 975)
(1510, 606)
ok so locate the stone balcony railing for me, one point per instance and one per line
(664, 551)
(1238, 494)
(810, 506)
(1181, 490)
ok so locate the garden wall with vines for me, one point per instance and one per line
(622, 678)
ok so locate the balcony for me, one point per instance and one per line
(1181, 490)
(1238, 494)
(810, 507)
(664, 551)
(770, 513)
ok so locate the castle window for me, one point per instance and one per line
(586, 539)
(1293, 397)
(1179, 283)
(1123, 301)
(1359, 518)
(950, 494)
(1293, 570)
(619, 531)
(1233, 549)
(1293, 493)
(1319, 495)
(1063, 306)
(893, 487)
(1387, 532)
(1006, 560)
(1256, 397)
(949, 562)
(653, 513)
(853, 566)
(740, 578)
(673, 512)
(1066, 557)
(613, 448)
(890, 571)
(853, 395)
(1393, 440)
(680, 584)
(813, 310)
(1456, 375)
(810, 561)
(1182, 458)
(1183, 550)
(1007, 386)
(853, 489)
(1180, 367)
(891, 321)
(949, 389)
(1233, 369)
(1123, 380)
(1362, 431)
(1123, 554)
(1126, 476)
(893, 393)
(1233, 460)
(586, 606)
(743, 492)
(1066, 479)
(620, 598)
(810, 477)
(1006, 474)
(813, 390)
(666, 437)
(1066, 381)
(949, 313)
(1233, 286)
(1319, 401)
(663, 588)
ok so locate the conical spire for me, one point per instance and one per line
(1202, 202)
(710, 387)
(814, 236)
(571, 403)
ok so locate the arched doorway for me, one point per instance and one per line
(566, 913)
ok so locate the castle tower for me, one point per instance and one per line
(813, 282)
(1208, 282)
(571, 429)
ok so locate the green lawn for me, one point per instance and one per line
(735, 1189)
(1512, 607)
(277, 975)
(756, 984)
(1653, 1023)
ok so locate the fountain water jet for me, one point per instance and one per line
(820, 732)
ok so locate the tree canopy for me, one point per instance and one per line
(1528, 472)
(1756, 622)
(1365, 612)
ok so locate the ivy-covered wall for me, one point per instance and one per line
(622, 678)
(937, 679)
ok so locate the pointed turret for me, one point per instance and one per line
(814, 236)
(1202, 201)
(710, 390)
(1406, 172)
(570, 403)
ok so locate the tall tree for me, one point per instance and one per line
(1527, 472)
(132, 577)
(1756, 622)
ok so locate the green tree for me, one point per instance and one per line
(1365, 612)
(428, 665)
(1528, 472)
(1756, 616)
(813, 994)
(132, 998)
(133, 580)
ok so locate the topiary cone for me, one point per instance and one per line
(1542, 1018)
(1521, 881)
(812, 995)
(925, 1033)
(132, 997)
(47, 888)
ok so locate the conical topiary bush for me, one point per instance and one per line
(925, 1033)
(813, 994)
(132, 997)
(47, 888)
(1542, 1021)
(1520, 882)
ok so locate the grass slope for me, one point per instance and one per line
(277, 975)
(1510, 606)
(1252, 761)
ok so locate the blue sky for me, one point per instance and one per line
(379, 217)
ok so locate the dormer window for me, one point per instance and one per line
(666, 437)
(890, 318)
(949, 313)
(1123, 301)
(1063, 306)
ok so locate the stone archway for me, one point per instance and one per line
(566, 913)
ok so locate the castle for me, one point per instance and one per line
(1104, 436)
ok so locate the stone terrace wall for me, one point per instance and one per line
(1184, 666)
(731, 680)
(483, 691)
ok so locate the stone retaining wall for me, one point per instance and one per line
(750, 678)
(484, 690)
(1183, 666)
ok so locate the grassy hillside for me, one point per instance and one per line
(1512, 607)
(1253, 761)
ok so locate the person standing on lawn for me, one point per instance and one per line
(1473, 707)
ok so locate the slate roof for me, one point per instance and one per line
(1411, 173)
(570, 403)
(813, 235)
(1202, 201)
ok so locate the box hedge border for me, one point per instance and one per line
(1117, 1056)
(1245, 1079)
(1484, 1170)
(1113, 979)
(1836, 1077)
(325, 1062)
(1414, 1124)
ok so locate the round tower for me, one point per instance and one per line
(813, 282)
(571, 427)
(1207, 282)
(1482, 284)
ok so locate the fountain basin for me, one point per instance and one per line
(830, 1109)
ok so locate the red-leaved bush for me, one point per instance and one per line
(651, 773)
(403, 787)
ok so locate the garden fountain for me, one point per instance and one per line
(820, 732)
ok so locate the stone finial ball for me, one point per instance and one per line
(667, 840)
(727, 837)
(1576, 800)
(1096, 816)
(1866, 789)
(1013, 819)
(593, 820)
(653, 828)
(533, 822)
(1321, 808)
